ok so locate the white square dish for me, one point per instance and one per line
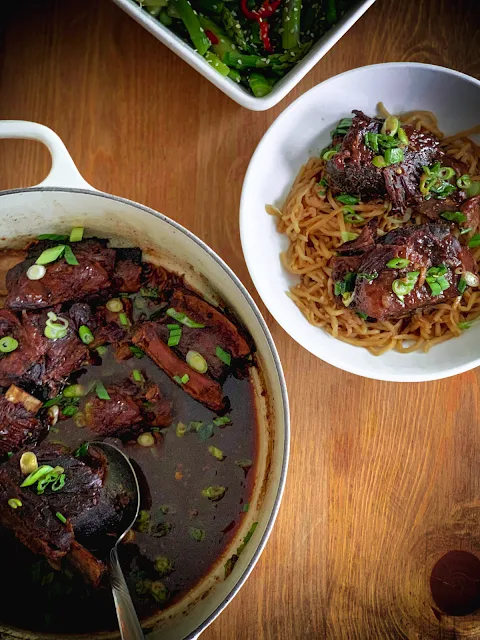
(236, 92)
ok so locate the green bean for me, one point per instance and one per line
(190, 19)
(259, 84)
(291, 24)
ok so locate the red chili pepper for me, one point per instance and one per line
(251, 15)
(264, 34)
(212, 37)
(265, 11)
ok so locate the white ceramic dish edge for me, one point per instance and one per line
(64, 181)
(268, 283)
(234, 91)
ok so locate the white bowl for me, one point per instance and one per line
(301, 131)
(230, 88)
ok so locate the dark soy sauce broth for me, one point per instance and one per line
(172, 473)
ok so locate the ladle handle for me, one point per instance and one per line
(130, 628)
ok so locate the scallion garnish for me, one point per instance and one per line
(137, 376)
(61, 517)
(221, 421)
(182, 380)
(462, 285)
(393, 156)
(390, 126)
(100, 390)
(36, 272)
(345, 198)
(367, 276)
(86, 336)
(403, 286)
(474, 241)
(37, 475)
(123, 319)
(434, 181)
(14, 503)
(348, 236)
(464, 182)
(361, 315)
(55, 327)
(454, 216)
(8, 344)
(350, 215)
(379, 162)
(76, 234)
(50, 255)
(137, 352)
(53, 236)
(398, 263)
(174, 335)
(223, 355)
(184, 319)
(70, 256)
(196, 361)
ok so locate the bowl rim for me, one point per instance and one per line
(285, 453)
(328, 355)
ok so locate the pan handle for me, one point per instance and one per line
(63, 173)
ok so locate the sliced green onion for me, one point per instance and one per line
(464, 325)
(462, 285)
(14, 503)
(174, 340)
(70, 410)
(345, 198)
(216, 453)
(197, 361)
(123, 319)
(172, 327)
(28, 463)
(53, 236)
(100, 390)
(371, 141)
(184, 319)
(149, 292)
(214, 492)
(347, 236)
(221, 421)
(471, 279)
(37, 475)
(146, 440)
(70, 256)
(404, 286)
(367, 276)
(181, 429)
(463, 231)
(402, 136)
(36, 272)
(361, 315)
(435, 287)
(474, 241)
(137, 352)
(59, 483)
(76, 234)
(61, 517)
(454, 216)
(434, 272)
(50, 255)
(390, 126)
(473, 189)
(223, 355)
(115, 305)
(86, 336)
(352, 216)
(185, 378)
(446, 173)
(102, 350)
(328, 155)
(398, 263)
(379, 161)
(74, 391)
(137, 376)
(55, 327)
(8, 344)
(393, 156)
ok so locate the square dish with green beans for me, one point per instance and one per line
(252, 42)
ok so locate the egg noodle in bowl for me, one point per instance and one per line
(318, 220)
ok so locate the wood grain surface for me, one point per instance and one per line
(384, 478)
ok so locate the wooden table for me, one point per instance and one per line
(384, 478)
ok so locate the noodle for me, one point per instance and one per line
(314, 222)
